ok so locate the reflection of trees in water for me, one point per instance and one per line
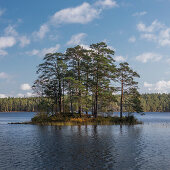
(89, 147)
(130, 147)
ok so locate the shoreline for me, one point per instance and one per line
(71, 121)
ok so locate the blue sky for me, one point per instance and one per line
(139, 31)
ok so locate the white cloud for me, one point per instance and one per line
(24, 41)
(10, 31)
(3, 96)
(81, 14)
(140, 13)
(149, 37)
(85, 46)
(156, 32)
(147, 85)
(33, 52)
(20, 95)
(145, 57)
(44, 51)
(50, 50)
(76, 39)
(164, 37)
(3, 53)
(119, 58)
(106, 3)
(44, 29)
(25, 86)
(3, 75)
(111, 47)
(2, 11)
(7, 41)
(159, 87)
(28, 94)
(132, 39)
(155, 25)
(168, 60)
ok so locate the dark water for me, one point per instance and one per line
(143, 147)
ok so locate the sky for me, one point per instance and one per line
(138, 31)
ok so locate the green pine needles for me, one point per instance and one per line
(84, 81)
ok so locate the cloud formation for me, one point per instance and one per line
(3, 96)
(132, 39)
(106, 3)
(155, 26)
(25, 87)
(44, 29)
(146, 57)
(2, 12)
(7, 41)
(3, 53)
(155, 32)
(44, 51)
(76, 39)
(119, 58)
(159, 87)
(23, 41)
(139, 13)
(12, 37)
(81, 14)
(28, 94)
(4, 75)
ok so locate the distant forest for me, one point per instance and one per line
(150, 102)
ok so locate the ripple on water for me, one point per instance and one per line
(85, 147)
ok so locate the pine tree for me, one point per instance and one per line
(125, 77)
(103, 69)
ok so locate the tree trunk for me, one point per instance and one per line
(63, 98)
(96, 97)
(121, 99)
(79, 92)
(71, 104)
(87, 78)
(96, 105)
(56, 103)
(92, 109)
(60, 94)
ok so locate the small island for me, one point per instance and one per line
(75, 86)
(44, 119)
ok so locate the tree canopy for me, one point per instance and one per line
(83, 80)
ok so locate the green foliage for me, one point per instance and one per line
(132, 101)
(80, 78)
(148, 102)
(125, 76)
(155, 102)
(30, 104)
(44, 119)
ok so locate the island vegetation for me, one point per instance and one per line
(87, 80)
(78, 86)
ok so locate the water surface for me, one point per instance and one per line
(85, 147)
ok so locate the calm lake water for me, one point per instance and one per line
(117, 147)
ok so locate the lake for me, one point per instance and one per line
(142, 147)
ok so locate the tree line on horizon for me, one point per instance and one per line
(154, 102)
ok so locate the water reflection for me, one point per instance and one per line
(85, 147)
